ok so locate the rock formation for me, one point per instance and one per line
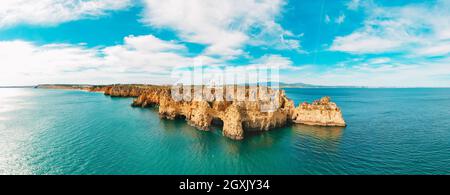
(321, 112)
(240, 108)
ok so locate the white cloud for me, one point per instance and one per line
(435, 49)
(364, 42)
(22, 62)
(151, 43)
(221, 25)
(144, 59)
(274, 60)
(353, 4)
(145, 54)
(140, 59)
(379, 60)
(225, 26)
(52, 12)
(379, 72)
(340, 19)
(27, 58)
(416, 29)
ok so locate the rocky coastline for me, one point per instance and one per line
(237, 110)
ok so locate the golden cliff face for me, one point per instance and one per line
(321, 112)
(239, 109)
(236, 115)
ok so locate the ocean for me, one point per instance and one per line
(390, 131)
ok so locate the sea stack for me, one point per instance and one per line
(321, 112)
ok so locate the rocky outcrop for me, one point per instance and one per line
(238, 110)
(232, 126)
(321, 112)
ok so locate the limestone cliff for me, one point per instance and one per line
(321, 112)
(239, 109)
(236, 115)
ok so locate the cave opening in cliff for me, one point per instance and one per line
(217, 122)
(180, 117)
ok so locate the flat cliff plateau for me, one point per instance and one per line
(239, 109)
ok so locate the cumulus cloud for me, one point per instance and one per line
(419, 29)
(52, 12)
(146, 56)
(380, 72)
(220, 25)
(364, 42)
(405, 40)
(25, 57)
(22, 62)
(225, 26)
(139, 59)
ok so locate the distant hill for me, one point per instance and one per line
(298, 85)
(304, 85)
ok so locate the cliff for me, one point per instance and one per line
(235, 115)
(238, 109)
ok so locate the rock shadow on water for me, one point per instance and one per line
(204, 142)
(328, 138)
(257, 141)
(179, 124)
(322, 133)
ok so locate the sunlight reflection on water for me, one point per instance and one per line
(12, 160)
(10, 101)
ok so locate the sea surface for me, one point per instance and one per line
(390, 131)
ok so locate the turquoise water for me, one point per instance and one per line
(390, 131)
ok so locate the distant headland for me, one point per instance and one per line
(233, 107)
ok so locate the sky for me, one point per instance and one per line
(375, 43)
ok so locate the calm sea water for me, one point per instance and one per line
(390, 131)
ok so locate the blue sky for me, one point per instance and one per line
(402, 43)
